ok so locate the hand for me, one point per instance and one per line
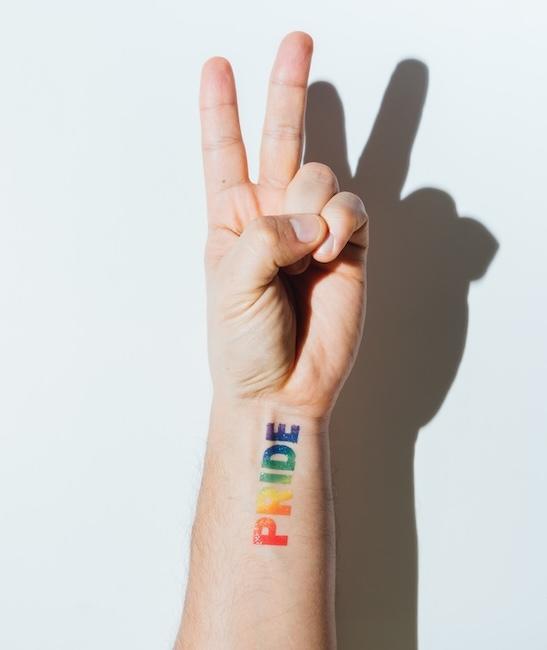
(285, 258)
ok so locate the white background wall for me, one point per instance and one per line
(104, 386)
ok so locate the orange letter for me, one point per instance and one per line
(269, 501)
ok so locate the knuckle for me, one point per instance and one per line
(353, 204)
(264, 230)
(337, 211)
(283, 132)
(320, 173)
(222, 142)
(351, 199)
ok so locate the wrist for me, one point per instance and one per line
(268, 408)
(257, 449)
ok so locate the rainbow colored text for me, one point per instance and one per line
(278, 463)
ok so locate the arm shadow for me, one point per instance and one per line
(423, 257)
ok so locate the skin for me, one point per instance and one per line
(285, 319)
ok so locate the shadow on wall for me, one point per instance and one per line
(422, 259)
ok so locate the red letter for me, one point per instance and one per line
(270, 537)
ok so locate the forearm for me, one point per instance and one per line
(252, 586)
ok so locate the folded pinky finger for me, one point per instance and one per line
(347, 220)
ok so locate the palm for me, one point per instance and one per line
(311, 319)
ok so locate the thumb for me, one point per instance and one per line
(270, 242)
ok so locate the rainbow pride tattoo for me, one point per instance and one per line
(278, 463)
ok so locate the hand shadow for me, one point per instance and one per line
(421, 261)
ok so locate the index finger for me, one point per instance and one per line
(283, 129)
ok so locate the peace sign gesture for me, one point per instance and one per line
(285, 257)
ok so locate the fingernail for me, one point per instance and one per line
(306, 227)
(327, 246)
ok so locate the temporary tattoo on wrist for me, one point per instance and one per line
(273, 500)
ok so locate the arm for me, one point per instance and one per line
(254, 583)
(285, 266)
